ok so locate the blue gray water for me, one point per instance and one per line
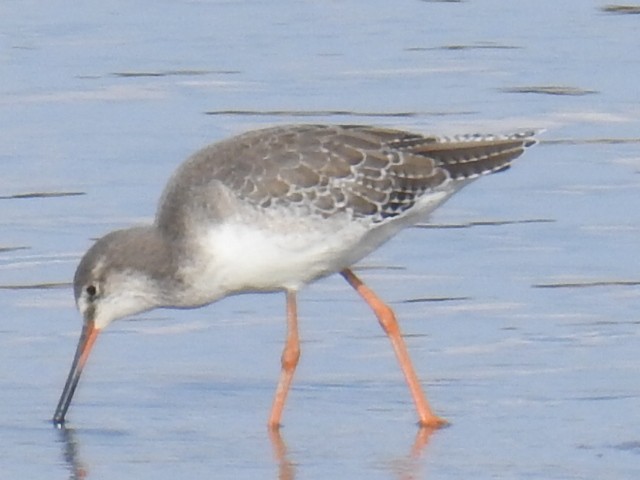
(519, 301)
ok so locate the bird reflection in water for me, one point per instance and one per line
(77, 468)
(408, 467)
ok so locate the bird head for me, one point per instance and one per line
(119, 276)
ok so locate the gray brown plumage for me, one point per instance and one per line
(365, 171)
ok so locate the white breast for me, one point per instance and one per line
(255, 250)
(284, 253)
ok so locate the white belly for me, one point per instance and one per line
(257, 252)
(236, 256)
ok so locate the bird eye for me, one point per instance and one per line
(91, 290)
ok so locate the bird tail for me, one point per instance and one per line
(466, 157)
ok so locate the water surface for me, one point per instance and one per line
(519, 302)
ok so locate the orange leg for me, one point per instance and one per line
(389, 324)
(290, 357)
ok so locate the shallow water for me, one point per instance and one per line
(519, 300)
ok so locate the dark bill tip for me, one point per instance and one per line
(85, 343)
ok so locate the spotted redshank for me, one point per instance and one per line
(272, 210)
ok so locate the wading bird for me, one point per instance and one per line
(273, 210)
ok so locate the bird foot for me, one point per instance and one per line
(433, 422)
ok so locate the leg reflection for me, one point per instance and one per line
(407, 467)
(286, 468)
(421, 441)
(411, 466)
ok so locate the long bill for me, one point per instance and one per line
(87, 339)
